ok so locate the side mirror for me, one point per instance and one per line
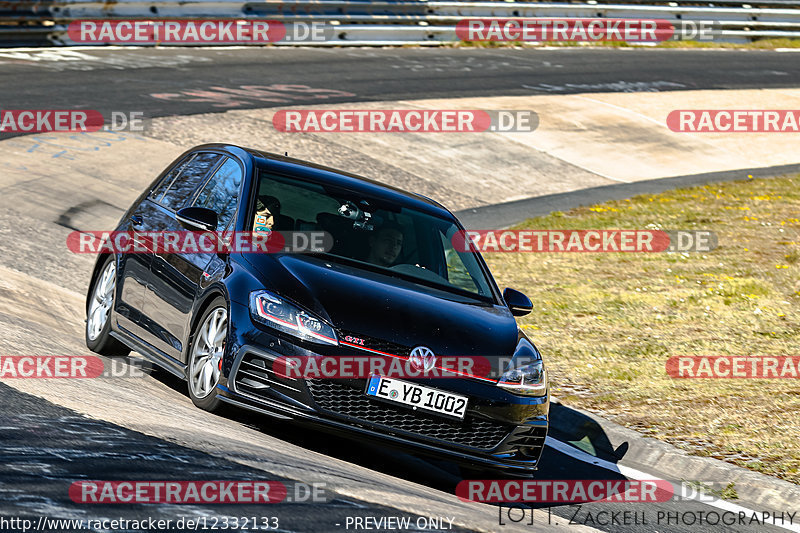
(519, 304)
(197, 218)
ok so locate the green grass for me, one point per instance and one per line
(607, 323)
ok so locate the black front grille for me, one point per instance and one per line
(347, 402)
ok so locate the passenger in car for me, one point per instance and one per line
(385, 245)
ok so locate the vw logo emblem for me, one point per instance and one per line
(422, 358)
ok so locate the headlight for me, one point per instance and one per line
(526, 374)
(276, 312)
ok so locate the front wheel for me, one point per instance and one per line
(98, 314)
(205, 357)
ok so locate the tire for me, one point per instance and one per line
(98, 313)
(205, 356)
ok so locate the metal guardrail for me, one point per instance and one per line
(359, 22)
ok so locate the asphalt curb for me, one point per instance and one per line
(623, 446)
(507, 214)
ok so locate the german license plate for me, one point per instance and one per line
(417, 396)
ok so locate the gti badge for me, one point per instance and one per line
(422, 358)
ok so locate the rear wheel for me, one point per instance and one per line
(98, 314)
(205, 357)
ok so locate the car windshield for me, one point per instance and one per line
(370, 233)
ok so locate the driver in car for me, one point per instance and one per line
(385, 245)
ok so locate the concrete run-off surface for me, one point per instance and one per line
(582, 141)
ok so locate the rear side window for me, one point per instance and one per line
(158, 192)
(221, 193)
(180, 184)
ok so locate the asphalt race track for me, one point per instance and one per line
(127, 79)
(144, 426)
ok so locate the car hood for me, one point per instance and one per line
(368, 304)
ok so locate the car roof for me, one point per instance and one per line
(327, 175)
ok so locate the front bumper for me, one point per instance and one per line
(500, 431)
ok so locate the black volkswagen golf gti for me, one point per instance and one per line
(392, 283)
